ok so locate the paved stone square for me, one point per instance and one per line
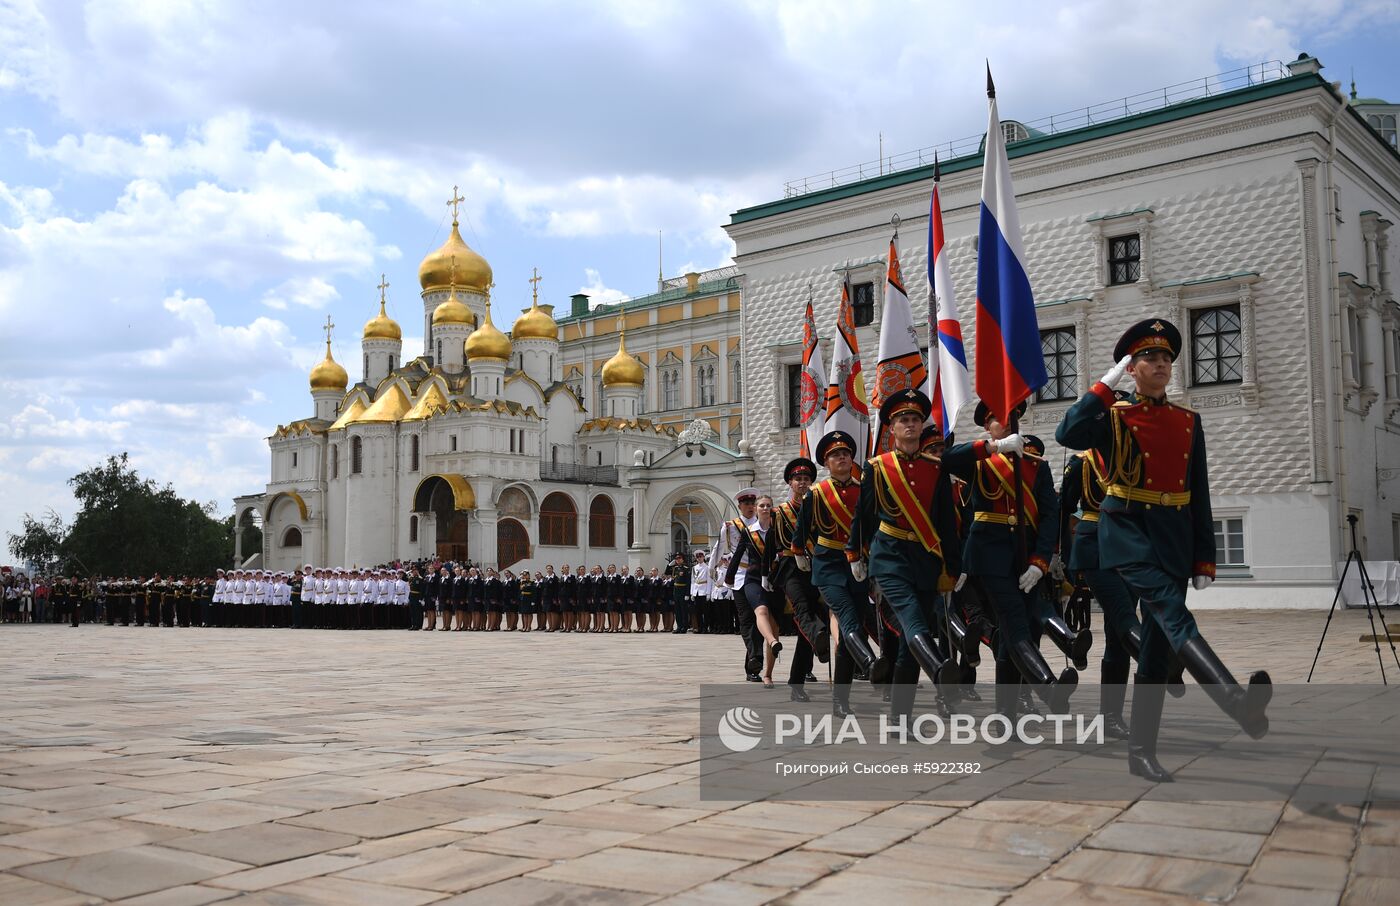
(189, 766)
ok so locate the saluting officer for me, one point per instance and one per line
(1156, 531)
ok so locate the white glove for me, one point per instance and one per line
(802, 562)
(1012, 444)
(1029, 578)
(767, 584)
(1114, 380)
(1057, 567)
(858, 570)
(1201, 583)
(962, 580)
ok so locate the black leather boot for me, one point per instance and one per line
(1142, 741)
(1245, 704)
(1054, 692)
(943, 671)
(864, 658)
(968, 639)
(1112, 690)
(903, 687)
(1132, 641)
(841, 701)
(1075, 645)
(1008, 689)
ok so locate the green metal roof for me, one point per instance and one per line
(1035, 145)
(707, 289)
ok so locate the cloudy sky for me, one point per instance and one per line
(187, 189)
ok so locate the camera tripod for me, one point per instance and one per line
(1368, 596)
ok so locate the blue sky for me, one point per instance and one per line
(187, 189)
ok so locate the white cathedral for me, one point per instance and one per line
(477, 450)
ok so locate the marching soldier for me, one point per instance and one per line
(902, 518)
(1082, 490)
(730, 534)
(811, 616)
(1009, 545)
(1156, 531)
(819, 544)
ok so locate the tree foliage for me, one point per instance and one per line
(127, 525)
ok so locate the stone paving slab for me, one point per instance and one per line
(327, 768)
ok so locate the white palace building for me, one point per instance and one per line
(1253, 210)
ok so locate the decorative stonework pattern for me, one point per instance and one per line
(1228, 228)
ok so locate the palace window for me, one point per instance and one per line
(412, 529)
(671, 388)
(452, 442)
(294, 459)
(1229, 541)
(1124, 259)
(558, 521)
(413, 453)
(794, 396)
(1060, 350)
(705, 379)
(1216, 345)
(356, 456)
(292, 538)
(335, 460)
(736, 383)
(863, 304)
(1384, 123)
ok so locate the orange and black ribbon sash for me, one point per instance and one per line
(919, 519)
(836, 505)
(1002, 468)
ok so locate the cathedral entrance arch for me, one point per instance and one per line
(449, 498)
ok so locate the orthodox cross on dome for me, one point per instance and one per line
(383, 285)
(535, 286)
(330, 325)
(453, 202)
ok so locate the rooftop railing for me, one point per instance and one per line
(1079, 118)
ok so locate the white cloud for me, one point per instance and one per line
(599, 293)
(312, 292)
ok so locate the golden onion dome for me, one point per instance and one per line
(622, 369)
(382, 327)
(472, 270)
(328, 375)
(535, 324)
(486, 342)
(452, 311)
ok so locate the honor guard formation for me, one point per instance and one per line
(912, 562)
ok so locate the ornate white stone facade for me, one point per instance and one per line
(1274, 198)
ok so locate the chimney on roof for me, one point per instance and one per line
(580, 304)
(1306, 63)
(692, 282)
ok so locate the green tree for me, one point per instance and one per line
(127, 525)
(40, 541)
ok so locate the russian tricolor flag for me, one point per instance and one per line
(1009, 363)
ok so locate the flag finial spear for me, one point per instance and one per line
(937, 169)
(991, 89)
